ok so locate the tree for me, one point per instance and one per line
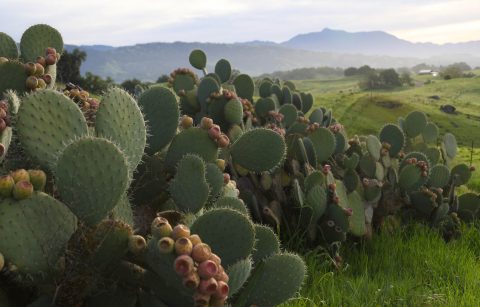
(351, 71)
(365, 70)
(129, 85)
(405, 78)
(451, 72)
(69, 66)
(390, 78)
(95, 84)
(162, 79)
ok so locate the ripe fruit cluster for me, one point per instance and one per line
(214, 132)
(21, 183)
(87, 104)
(199, 268)
(4, 117)
(37, 79)
(182, 71)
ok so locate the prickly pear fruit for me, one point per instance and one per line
(186, 122)
(47, 78)
(161, 227)
(201, 299)
(41, 60)
(41, 84)
(38, 179)
(195, 239)
(222, 290)
(223, 141)
(6, 186)
(3, 60)
(221, 164)
(183, 265)
(183, 246)
(30, 68)
(20, 175)
(208, 286)
(137, 244)
(180, 231)
(51, 59)
(206, 123)
(192, 280)
(166, 245)
(214, 132)
(31, 83)
(201, 252)
(215, 259)
(39, 70)
(22, 190)
(2, 261)
(50, 50)
(207, 269)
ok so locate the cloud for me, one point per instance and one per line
(119, 22)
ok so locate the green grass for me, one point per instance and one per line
(410, 267)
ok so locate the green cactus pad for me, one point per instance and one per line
(415, 123)
(440, 213)
(259, 150)
(287, 95)
(409, 176)
(120, 120)
(450, 145)
(393, 135)
(297, 101)
(351, 180)
(229, 233)
(316, 116)
(35, 232)
(307, 102)
(159, 105)
(460, 174)
(8, 47)
(123, 211)
(36, 39)
(91, 176)
(12, 77)
(198, 59)
(314, 179)
(327, 118)
(379, 171)
(277, 91)
(194, 141)
(430, 133)
(469, 206)
(357, 220)
(439, 176)
(183, 82)
(317, 200)
(265, 88)
(352, 161)
(423, 202)
(232, 203)
(244, 86)
(274, 281)
(368, 165)
(374, 146)
(290, 114)
(12, 100)
(5, 140)
(324, 143)
(217, 78)
(206, 88)
(234, 133)
(340, 142)
(372, 193)
(214, 177)
(266, 243)
(189, 189)
(223, 69)
(417, 155)
(46, 122)
(263, 106)
(234, 111)
(118, 296)
(238, 274)
(433, 155)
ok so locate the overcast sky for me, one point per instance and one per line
(116, 22)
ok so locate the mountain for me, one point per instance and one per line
(332, 48)
(375, 43)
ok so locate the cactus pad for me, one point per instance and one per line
(274, 281)
(120, 120)
(206, 88)
(317, 200)
(46, 121)
(393, 135)
(8, 47)
(223, 69)
(160, 108)
(189, 189)
(307, 102)
(415, 123)
(469, 206)
(266, 243)
(228, 232)
(238, 274)
(368, 165)
(92, 176)
(460, 174)
(324, 143)
(263, 105)
(439, 176)
(316, 116)
(232, 203)
(265, 89)
(450, 145)
(314, 179)
(233, 111)
(5, 140)
(36, 39)
(290, 114)
(357, 219)
(35, 232)
(259, 150)
(430, 133)
(409, 176)
(198, 59)
(244, 86)
(12, 77)
(374, 146)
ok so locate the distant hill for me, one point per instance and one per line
(326, 48)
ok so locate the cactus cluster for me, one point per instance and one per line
(86, 236)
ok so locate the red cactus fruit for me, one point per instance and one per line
(215, 259)
(201, 252)
(22, 190)
(207, 269)
(226, 178)
(183, 246)
(195, 239)
(41, 84)
(41, 60)
(214, 132)
(20, 175)
(39, 70)
(3, 126)
(223, 141)
(50, 50)
(30, 68)
(183, 265)
(206, 123)
(191, 281)
(38, 179)
(201, 299)
(51, 59)
(166, 245)
(222, 290)
(47, 78)
(6, 185)
(208, 286)
(4, 105)
(180, 231)
(31, 83)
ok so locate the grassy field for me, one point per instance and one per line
(412, 266)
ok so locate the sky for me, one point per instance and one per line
(119, 22)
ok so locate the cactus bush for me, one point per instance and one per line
(127, 203)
